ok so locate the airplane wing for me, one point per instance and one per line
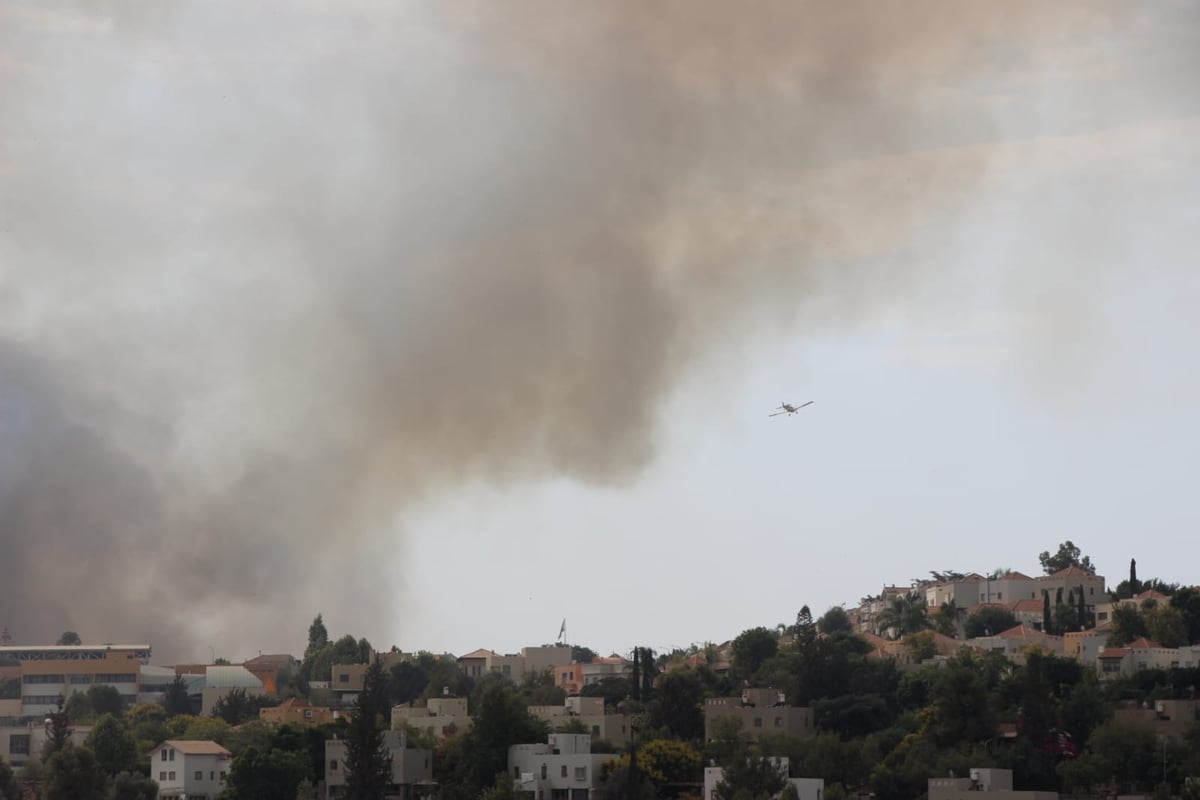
(777, 413)
(802, 405)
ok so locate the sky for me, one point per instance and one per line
(451, 321)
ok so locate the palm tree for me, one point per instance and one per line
(905, 614)
(948, 616)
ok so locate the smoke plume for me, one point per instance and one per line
(271, 274)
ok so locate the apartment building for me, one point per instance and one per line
(564, 767)
(412, 767)
(761, 711)
(20, 744)
(983, 784)
(61, 670)
(588, 712)
(439, 716)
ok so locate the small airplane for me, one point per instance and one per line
(789, 409)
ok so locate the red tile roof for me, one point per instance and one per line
(1143, 643)
(1015, 576)
(196, 748)
(1073, 571)
(1026, 605)
(482, 652)
(1114, 652)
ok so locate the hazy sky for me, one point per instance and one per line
(451, 320)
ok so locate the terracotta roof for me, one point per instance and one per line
(1152, 594)
(280, 659)
(196, 748)
(1143, 643)
(1026, 605)
(480, 653)
(1015, 576)
(1023, 631)
(294, 702)
(1114, 652)
(1072, 570)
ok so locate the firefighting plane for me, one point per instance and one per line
(787, 408)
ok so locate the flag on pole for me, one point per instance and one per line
(562, 632)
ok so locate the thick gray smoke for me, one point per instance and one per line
(271, 273)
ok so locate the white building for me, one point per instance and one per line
(411, 767)
(189, 770)
(20, 744)
(808, 788)
(589, 712)
(564, 767)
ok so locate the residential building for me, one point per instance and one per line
(806, 788)
(1168, 718)
(297, 711)
(963, 592)
(347, 681)
(1064, 586)
(48, 672)
(475, 663)
(588, 712)
(439, 716)
(20, 744)
(1007, 588)
(412, 768)
(1144, 653)
(564, 767)
(515, 666)
(1015, 642)
(613, 666)
(761, 711)
(187, 770)
(983, 784)
(569, 677)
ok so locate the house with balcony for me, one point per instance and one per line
(761, 711)
(588, 712)
(564, 767)
(1015, 642)
(438, 716)
(189, 770)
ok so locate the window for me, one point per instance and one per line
(779, 722)
(172, 756)
(563, 774)
(116, 677)
(199, 775)
(212, 776)
(517, 772)
(595, 730)
(308, 713)
(999, 595)
(333, 766)
(18, 745)
(222, 774)
(758, 722)
(81, 679)
(344, 677)
(171, 776)
(581, 773)
(544, 774)
(28, 679)
(164, 753)
(162, 777)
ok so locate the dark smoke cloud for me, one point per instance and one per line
(271, 275)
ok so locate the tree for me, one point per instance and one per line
(176, 700)
(9, 788)
(613, 689)
(72, 773)
(834, 620)
(1068, 555)
(240, 706)
(752, 777)
(752, 648)
(105, 700)
(480, 754)
(59, 734)
(69, 639)
(368, 762)
(679, 705)
(1187, 600)
(905, 614)
(947, 618)
(581, 654)
(1165, 624)
(1127, 625)
(272, 775)
(131, 786)
(989, 621)
(318, 637)
(112, 745)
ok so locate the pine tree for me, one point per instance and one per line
(368, 762)
(637, 673)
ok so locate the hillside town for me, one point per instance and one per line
(1016, 686)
